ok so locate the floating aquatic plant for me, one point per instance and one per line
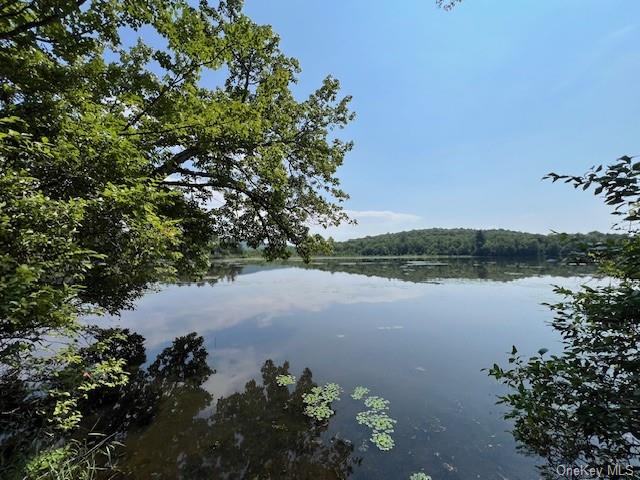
(319, 412)
(377, 419)
(376, 403)
(383, 441)
(318, 406)
(285, 380)
(359, 393)
(419, 476)
(318, 401)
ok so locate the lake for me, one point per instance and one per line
(416, 332)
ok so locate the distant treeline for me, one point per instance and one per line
(479, 243)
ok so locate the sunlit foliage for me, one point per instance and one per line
(120, 166)
(581, 406)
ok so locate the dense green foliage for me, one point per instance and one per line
(581, 405)
(119, 165)
(142, 140)
(461, 241)
(427, 271)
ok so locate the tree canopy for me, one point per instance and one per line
(162, 158)
(479, 243)
(123, 160)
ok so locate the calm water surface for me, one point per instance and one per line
(417, 333)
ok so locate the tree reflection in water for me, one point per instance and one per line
(260, 432)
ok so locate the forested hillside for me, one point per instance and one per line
(461, 241)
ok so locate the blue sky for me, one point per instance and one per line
(460, 114)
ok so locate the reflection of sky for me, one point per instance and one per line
(292, 313)
(420, 345)
(234, 367)
(259, 297)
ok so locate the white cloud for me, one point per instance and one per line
(258, 298)
(372, 222)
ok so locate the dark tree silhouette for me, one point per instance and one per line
(172, 427)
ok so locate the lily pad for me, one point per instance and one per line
(285, 380)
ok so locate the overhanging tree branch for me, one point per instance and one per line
(174, 162)
(46, 20)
